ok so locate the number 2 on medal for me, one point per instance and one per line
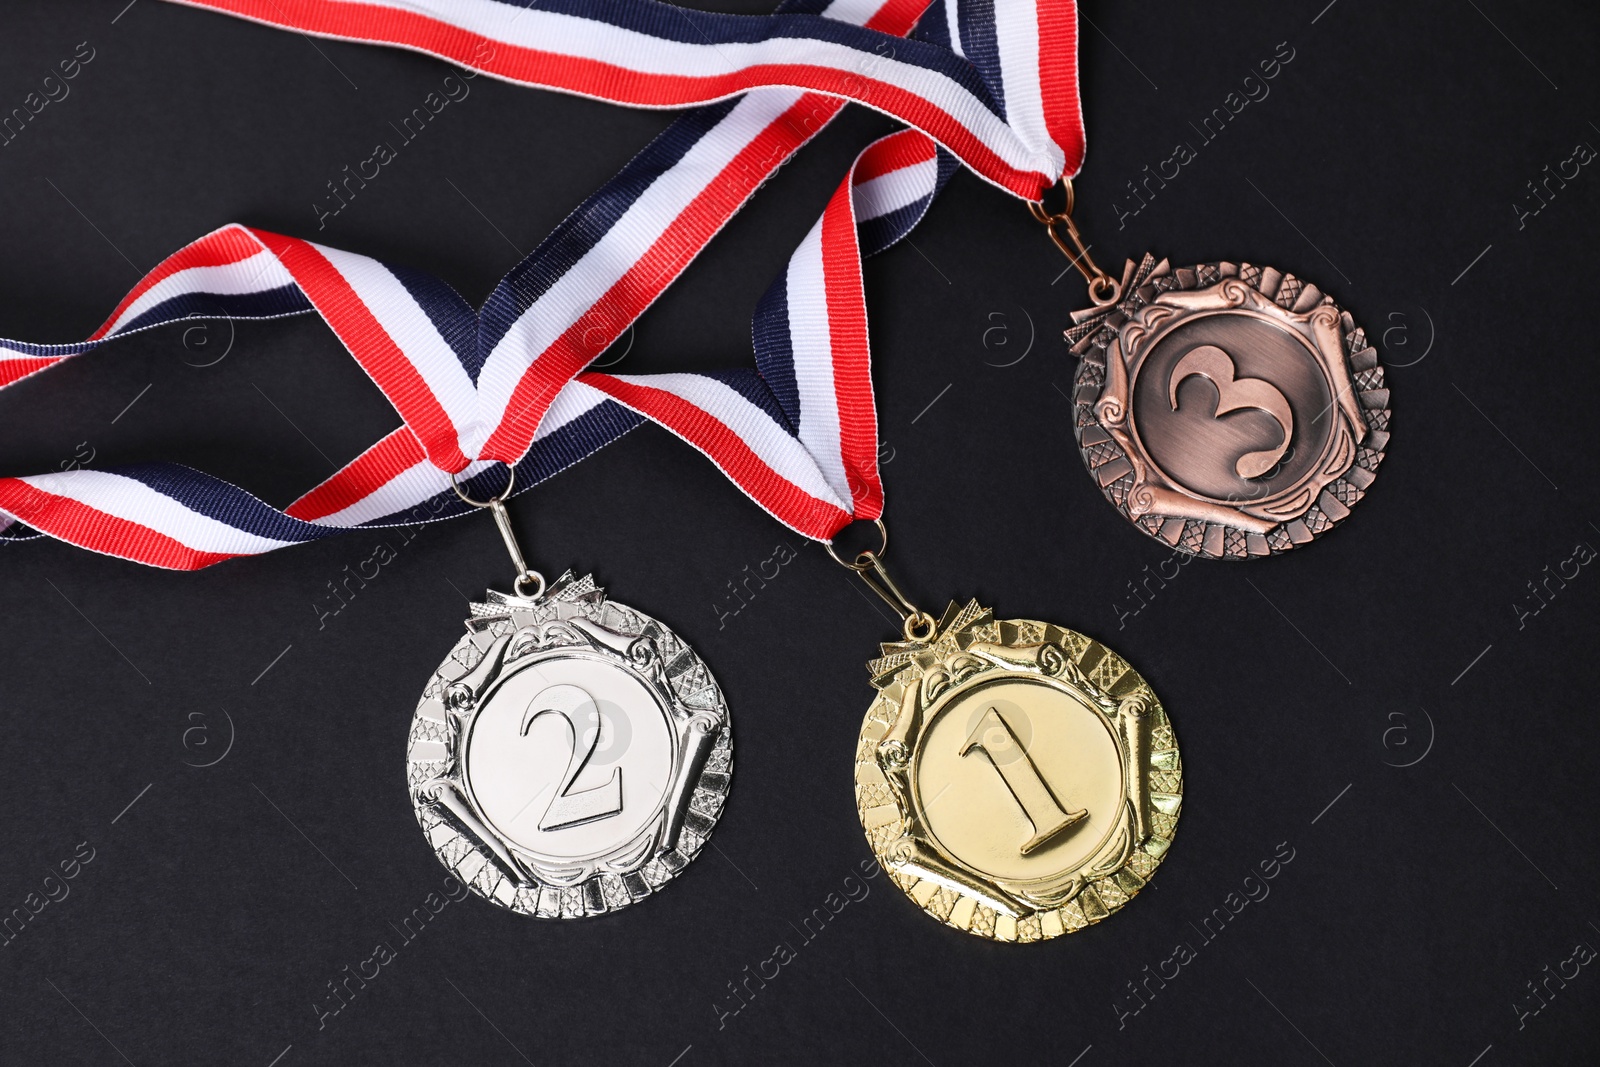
(994, 737)
(574, 808)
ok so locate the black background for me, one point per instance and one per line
(1385, 165)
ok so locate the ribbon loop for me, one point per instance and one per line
(993, 81)
(798, 433)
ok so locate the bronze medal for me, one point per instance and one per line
(1228, 410)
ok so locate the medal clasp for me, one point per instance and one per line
(917, 625)
(1104, 290)
(529, 583)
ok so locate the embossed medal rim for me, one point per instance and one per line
(594, 888)
(1194, 523)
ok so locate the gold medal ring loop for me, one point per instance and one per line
(920, 627)
(1104, 290)
(916, 624)
(858, 566)
(529, 583)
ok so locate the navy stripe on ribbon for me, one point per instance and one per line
(753, 387)
(449, 312)
(975, 19)
(268, 304)
(769, 330)
(934, 26)
(876, 235)
(25, 348)
(222, 501)
(581, 230)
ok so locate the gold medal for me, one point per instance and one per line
(1017, 779)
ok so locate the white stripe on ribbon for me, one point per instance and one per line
(418, 339)
(410, 487)
(855, 12)
(888, 193)
(1016, 32)
(812, 346)
(573, 402)
(619, 251)
(777, 450)
(135, 502)
(258, 273)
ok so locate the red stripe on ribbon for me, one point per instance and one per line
(609, 81)
(361, 477)
(86, 527)
(14, 370)
(812, 517)
(1058, 79)
(219, 248)
(349, 317)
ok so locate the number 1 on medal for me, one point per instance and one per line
(994, 737)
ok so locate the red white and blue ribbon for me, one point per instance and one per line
(995, 83)
(798, 433)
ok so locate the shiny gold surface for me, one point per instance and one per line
(1016, 779)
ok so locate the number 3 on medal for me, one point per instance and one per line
(994, 737)
(571, 808)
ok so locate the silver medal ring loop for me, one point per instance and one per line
(529, 583)
(531, 579)
(511, 481)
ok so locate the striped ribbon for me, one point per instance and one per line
(993, 81)
(504, 384)
(799, 433)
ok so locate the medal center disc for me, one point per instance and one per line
(1244, 387)
(570, 757)
(1004, 770)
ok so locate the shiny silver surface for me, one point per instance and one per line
(570, 756)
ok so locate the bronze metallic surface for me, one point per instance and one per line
(1228, 410)
(1016, 779)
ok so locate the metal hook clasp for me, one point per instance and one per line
(529, 583)
(1104, 290)
(917, 625)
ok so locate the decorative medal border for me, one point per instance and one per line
(503, 631)
(968, 644)
(1153, 296)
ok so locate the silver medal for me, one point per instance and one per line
(571, 755)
